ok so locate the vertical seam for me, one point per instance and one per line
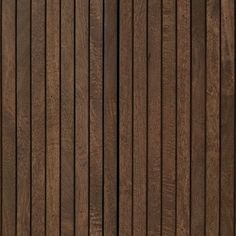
(190, 121)
(30, 116)
(161, 149)
(74, 148)
(16, 172)
(147, 109)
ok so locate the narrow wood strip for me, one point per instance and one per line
(110, 117)
(169, 118)
(139, 118)
(53, 118)
(8, 117)
(67, 118)
(125, 114)
(38, 117)
(96, 118)
(198, 118)
(82, 117)
(23, 117)
(154, 115)
(183, 118)
(213, 117)
(227, 117)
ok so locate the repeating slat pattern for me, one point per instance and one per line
(117, 117)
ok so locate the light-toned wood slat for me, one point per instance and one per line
(38, 116)
(67, 118)
(213, 118)
(53, 118)
(154, 117)
(81, 117)
(23, 118)
(110, 117)
(96, 118)
(139, 116)
(169, 81)
(183, 118)
(227, 118)
(125, 117)
(8, 118)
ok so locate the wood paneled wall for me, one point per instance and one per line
(118, 117)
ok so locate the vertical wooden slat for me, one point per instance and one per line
(38, 117)
(169, 118)
(227, 117)
(125, 117)
(96, 118)
(67, 118)
(139, 117)
(154, 117)
(183, 118)
(82, 117)
(198, 117)
(110, 117)
(8, 118)
(23, 117)
(213, 121)
(53, 118)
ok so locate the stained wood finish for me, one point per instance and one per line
(117, 117)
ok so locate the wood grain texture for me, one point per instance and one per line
(8, 118)
(183, 118)
(110, 117)
(169, 80)
(67, 117)
(139, 117)
(227, 118)
(117, 117)
(82, 125)
(154, 12)
(53, 128)
(198, 116)
(23, 109)
(96, 119)
(38, 76)
(213, 121)
(126, 117)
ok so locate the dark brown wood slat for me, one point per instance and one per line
(154, 117)
(198, 117)
(67, 117)
(125, 117)
(38, 116)
(227, 117)
(183, 118)
(82, 117)
(23, 117)
(139, 117)
(96, 118)
(53, 118)
(110, 117)
(169, 118)
(213, 117)
(8, 118)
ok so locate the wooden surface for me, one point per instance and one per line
(117, 117)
